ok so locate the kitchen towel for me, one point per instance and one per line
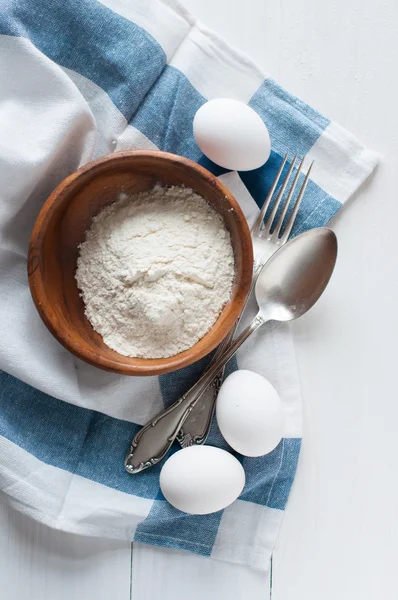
(79, 79)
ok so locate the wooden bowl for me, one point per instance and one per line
(61, 226)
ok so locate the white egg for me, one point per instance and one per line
(232, 134)
(250, 413)
(201, 479)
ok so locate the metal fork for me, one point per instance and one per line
(267, 237)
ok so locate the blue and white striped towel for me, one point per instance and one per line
(79, 79)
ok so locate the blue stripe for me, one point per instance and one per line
(292, 125)
(84, 442)
(168, 527)
(121, 58)
(157, 99)
(269, 478)
(166, 116)
(93, 445)
(317, 207)
(116, 54)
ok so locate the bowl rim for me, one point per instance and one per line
(144, 367)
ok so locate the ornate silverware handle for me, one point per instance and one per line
(153, 441)
(196, 425)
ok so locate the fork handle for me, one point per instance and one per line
(196, 426)
(154, 440)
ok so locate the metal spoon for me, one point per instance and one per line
(288, 286)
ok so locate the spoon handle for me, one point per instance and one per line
(154, 440)
(196, 426)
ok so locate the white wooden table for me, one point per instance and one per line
(340, 533)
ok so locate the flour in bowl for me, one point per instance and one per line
(155, 271)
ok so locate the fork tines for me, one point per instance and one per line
(272, 227)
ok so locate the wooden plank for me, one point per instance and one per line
(339, 538)
(340, 533)
(39, 563)
(169, 574)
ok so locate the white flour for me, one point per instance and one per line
(155, 271)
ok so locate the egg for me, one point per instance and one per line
(232, 134)
(250, 413)
(201, 479)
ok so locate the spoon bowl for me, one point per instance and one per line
(295, 276)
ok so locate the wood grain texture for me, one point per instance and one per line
(61, 227)
(169, 574)
(39, 563)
